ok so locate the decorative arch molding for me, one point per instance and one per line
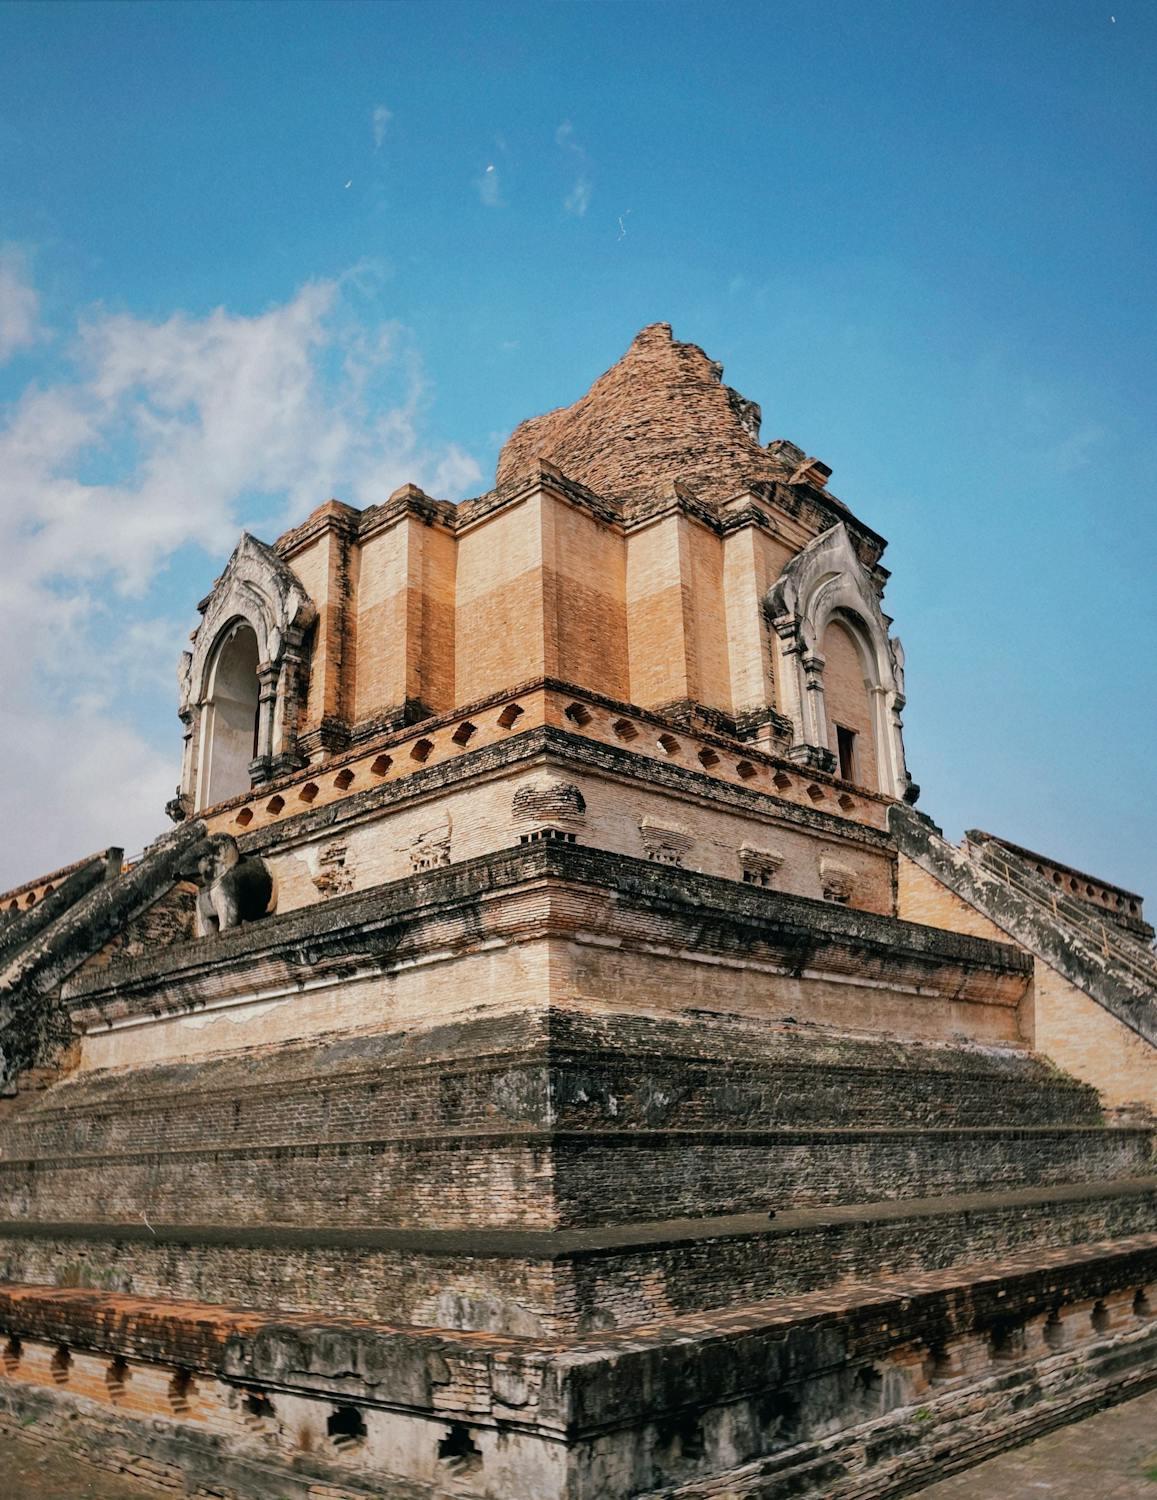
(827, 582)
(258, 589)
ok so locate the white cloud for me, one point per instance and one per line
(380, 119)
(578, 200)
(1052, 422)
(85, 783)
(489, 187)
(19, 305)
(158, 436)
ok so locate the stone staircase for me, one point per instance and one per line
(1129, 957)
(1095, 956)
(44, 945)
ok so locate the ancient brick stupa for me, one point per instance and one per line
(550, 1057)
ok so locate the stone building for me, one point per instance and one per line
(550, 1058)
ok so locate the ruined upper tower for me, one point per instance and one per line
(661, 414)
(640, 543)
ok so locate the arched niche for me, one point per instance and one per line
(253, 632)
(826, 596)
(848, 674)
(230, 716)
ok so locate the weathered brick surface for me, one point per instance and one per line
(856, 1386)
(1083, 1037)
(576, 1068)
(168, 920)
(921, 898)
(1111, 1454)
(602, 556)
(661, 413)
(569, 891)
(556, 1178)
(551, 1117)
(541, 1283)
(1064, 1022)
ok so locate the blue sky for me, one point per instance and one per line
(254, 255)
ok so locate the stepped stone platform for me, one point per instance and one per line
(550, 1060)
(574, 1248)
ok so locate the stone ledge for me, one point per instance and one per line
(600, 1136)
(558, 1243)
(884, 1456)
(702, 913)
(590, 1384)
(905, 1451)
(765, 1068)
(531, 744)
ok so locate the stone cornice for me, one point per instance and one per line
(231, 815)
(333, 516)
(562, 748)
(546, 890)
(815, 510)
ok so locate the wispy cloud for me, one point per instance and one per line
(153, 438)
(578, 200)
(19, 304)
(489, 185)
(380, 120)
(1052, 425)
(1079, 449)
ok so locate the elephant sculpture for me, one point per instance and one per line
(233, 889)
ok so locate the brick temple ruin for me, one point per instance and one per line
(550, 1058)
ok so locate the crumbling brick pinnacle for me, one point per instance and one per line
(662, 413)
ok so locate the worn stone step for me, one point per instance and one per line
(856, 1386)
(567, 1068)
(552, 1179)
(535, 1282)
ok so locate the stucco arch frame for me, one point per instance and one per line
(826, 581)
(258, 588)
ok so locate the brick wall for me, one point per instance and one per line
(380, 611)
(660, 413)
(479, 820)
(584, 580)
(500, 624)
(922, 898)
(1082, 1037)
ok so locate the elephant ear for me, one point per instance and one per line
(227, 854)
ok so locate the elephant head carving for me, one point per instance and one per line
(233, 888)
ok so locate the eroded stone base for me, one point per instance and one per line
(855, 1391)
